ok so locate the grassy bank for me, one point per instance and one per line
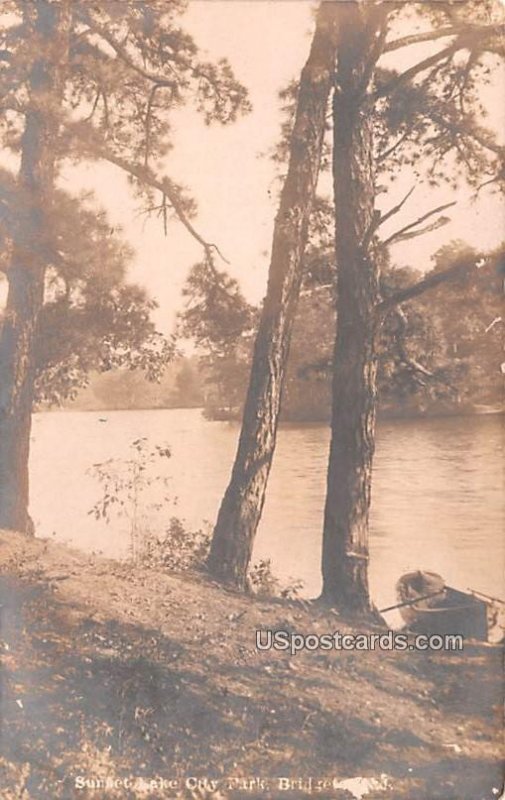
(117, 674)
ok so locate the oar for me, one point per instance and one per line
(411, 602)
(487, 596)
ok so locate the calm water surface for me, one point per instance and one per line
(437, 492)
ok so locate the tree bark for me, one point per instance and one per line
(345, 535)
(48, 24)
(242, 504)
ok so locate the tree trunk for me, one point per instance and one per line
(345, 535)
(242, 504)
(48, 24)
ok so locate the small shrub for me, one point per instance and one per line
(176, 548)
(292, 589)
(263, 582)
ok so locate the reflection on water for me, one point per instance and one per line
(437, 491)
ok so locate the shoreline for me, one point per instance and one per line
(386, 416)
(111, 671)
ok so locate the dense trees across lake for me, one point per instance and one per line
(444, 354)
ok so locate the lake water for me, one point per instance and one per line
(437, 491)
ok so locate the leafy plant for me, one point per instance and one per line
(125, 484)
(264, 583)
(177, 548)
(126, 488)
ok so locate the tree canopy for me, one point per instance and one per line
(129, 63)
(93, 319)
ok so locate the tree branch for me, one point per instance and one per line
(379, 219)
(147, 125)
(485, 139)
(467, 39)
(83, 134)
(499, 177)
(395, 209)
(166, 187)
(460, 270)
(403, 232)
(378, 22)
(319, 287)
(94, 107)
(406, 359)
(160, 80)
(421, 66)
(390, 150)
(491, 325)
(121, 51)
(425, 36)
(463, 84)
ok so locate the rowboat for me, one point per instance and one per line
(427, 605)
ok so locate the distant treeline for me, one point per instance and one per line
(179, 386)
(442, 354)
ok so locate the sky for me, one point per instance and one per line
(234, 183)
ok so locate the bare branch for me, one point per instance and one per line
(425, 36)
(395, 209)
(162, 210)
(84, 135)
(491, 325)
(433, 226)
(390, 150)
(319, 287)
(498, 178)
(105, 108)
(95, 106)
(379, 218)
(403, 233)
(166, 187)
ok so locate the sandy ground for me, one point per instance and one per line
(113, 677)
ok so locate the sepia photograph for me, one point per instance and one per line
(252, 261)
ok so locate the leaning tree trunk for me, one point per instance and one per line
(242, 504)
(48, 24)
(345, 536)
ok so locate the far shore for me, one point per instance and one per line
(386, 414)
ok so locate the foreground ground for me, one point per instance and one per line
(110, 673)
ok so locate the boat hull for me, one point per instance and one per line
(449, 611)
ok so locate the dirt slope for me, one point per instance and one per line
(117, 674)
